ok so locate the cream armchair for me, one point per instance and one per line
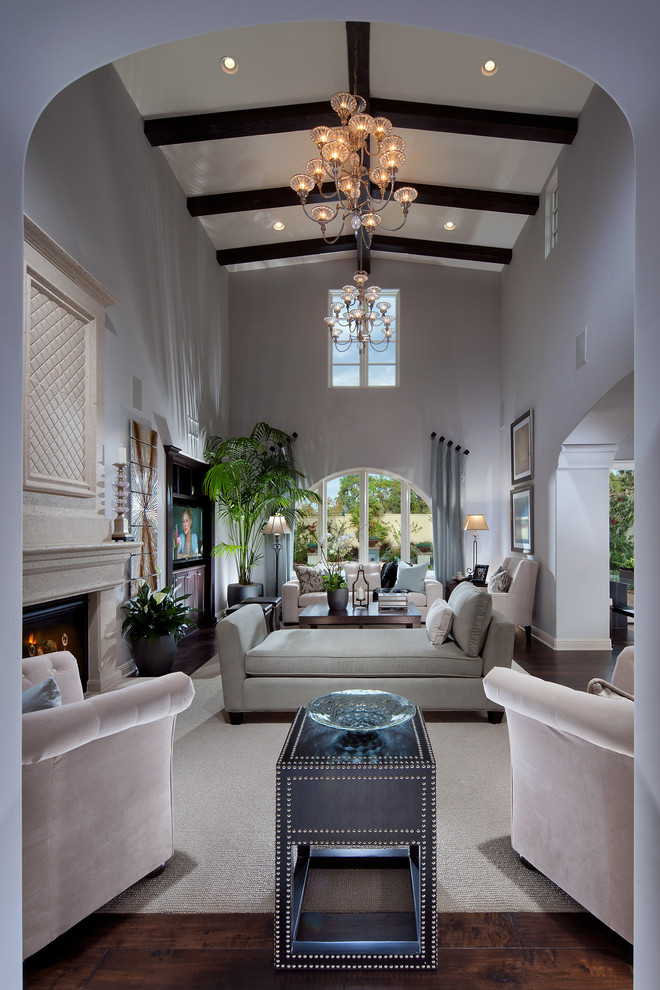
(293, 602)
(97, 793)
(572, 786)
(518, 602)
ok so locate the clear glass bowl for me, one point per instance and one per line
(361, 710)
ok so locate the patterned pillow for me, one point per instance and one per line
(411, 577)
(310, 578)
(388, 574)
(439, 620)
(500, 580)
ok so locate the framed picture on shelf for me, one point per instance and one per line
(480, 572)
(522, 519)
(522, 448)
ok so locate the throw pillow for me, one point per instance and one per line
(606, 690)
(411, 577)
(500, 580)
(439, 619)
(310, 578)
(41, 696)
(472, 610)
(388, 574)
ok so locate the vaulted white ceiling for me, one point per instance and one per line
(288, 65)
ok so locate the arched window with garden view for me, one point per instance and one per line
(366, 515)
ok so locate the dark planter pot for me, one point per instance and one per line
(154, 657)
(237, 592)
(338, 599)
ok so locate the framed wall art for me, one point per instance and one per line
(522, 519)
(522, 448)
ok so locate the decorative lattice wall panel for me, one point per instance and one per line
(63, 365)
(59, 396)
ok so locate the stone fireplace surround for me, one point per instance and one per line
(97, 570)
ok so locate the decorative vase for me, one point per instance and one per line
(337, 599)
(154, 657)
(238, 592)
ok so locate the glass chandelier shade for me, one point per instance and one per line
(358, 157)
(360, 317)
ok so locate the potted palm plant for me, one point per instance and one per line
(153, 623)
(249, 479)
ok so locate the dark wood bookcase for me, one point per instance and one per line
(193, 575)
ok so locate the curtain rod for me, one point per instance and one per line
(449, 443)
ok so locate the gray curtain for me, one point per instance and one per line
(447, 487)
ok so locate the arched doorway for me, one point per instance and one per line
(582, 520)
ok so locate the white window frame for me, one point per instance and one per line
(363, 529)
(552, 212)
(364, 358)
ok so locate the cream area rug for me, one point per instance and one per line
(224, 817)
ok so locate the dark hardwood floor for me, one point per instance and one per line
(529, 951)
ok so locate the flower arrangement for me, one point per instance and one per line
(150, 614)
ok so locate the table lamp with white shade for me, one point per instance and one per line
(277, 526)
(475, 522)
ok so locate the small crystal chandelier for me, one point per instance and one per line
(366, 323)
(361, 152)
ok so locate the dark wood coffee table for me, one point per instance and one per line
(314, 616)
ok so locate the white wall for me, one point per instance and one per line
(587, 281)
(449, 380)
(97, 187)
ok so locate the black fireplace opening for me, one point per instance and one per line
(58, 625)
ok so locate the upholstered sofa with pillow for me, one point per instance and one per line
(288, 668)
(97, 790)
(572, 770)
(306, 587)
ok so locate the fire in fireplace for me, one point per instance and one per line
(58, 625)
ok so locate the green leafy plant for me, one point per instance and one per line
(250, 479)
(150, 614)
(333, 552)
(622, 518)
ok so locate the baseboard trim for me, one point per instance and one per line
(576, 645)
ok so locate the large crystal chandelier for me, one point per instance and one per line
(360, 318)
(360, 154)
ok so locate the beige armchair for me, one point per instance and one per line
(97, 793)
(572, 786)
(518, 602)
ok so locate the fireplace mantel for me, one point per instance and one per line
(98, 570)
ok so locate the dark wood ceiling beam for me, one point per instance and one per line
(358, 51)
(398, 245)
(442, 249)
(489, 200)
(416, 116)
(505, 124)
(286, 249)
(429, 195)
(238, 123)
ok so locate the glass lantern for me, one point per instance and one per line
(360, 590)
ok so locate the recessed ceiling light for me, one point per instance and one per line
(278, 225)
(489, 68)
(229, 64)
(449, 225)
